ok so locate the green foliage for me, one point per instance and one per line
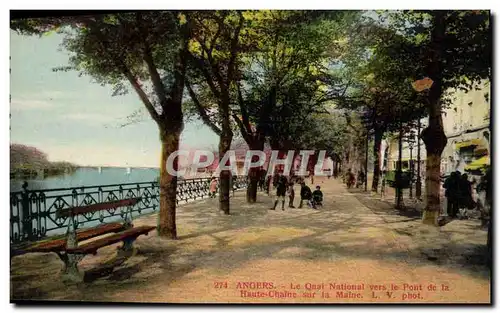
(329, 132)
(110, 48)
(465, 47)
(214, 55)
(24, 159)
(378, 86)
(288, 77)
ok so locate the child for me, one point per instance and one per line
(213, 187)
(317, 196)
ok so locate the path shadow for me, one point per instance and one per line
(378, 206)
(325, 235)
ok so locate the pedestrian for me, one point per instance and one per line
(350, 179)
(281, 186)
(262, 179)
(268, 184)
(447, 193)
(361, 178)
(213, 187)
(305, 194)
(317, 197)
(233, 183)
(465, 191)
(291, 195)
(489, 199)
(382, 188)
(452, 193)
(482, 192)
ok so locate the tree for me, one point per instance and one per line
(148, 51)
(285, 78)
(377, 85)
(453, 49)
(214, 57)
(22, 156)
(274, 49)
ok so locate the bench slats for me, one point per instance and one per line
(84, 234)
(92, 247)
(97, 207)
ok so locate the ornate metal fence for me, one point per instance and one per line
(33, 212)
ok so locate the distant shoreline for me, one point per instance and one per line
(52, 169)
(118, 166)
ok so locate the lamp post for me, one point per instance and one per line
(366, 160)
(410, 144)
(419, 183)
(399, 190)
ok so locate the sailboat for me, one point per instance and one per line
(128, 170)
(99, 169)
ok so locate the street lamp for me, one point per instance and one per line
(399, 190)
(418, 188)
(366, 160)
(411, 144)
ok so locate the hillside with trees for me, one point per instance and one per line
(26, 160)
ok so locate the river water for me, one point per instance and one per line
(90, 177)
(84, 177)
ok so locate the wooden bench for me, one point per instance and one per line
(71, 252)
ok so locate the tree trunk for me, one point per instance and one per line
(435, 141)
(376, 156)
(254, 174)
(432, 187)
(418, 189)
(433, 136)
(225, 175)
(168, 187)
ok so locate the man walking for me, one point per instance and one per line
(291, 194)
(465, 188)
(281, 184)
(451, 193)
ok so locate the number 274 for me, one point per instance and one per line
(220, 284)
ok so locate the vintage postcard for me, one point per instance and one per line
(251, 156)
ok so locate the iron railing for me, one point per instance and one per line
(33, 213)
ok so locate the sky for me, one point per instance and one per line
(73, 119)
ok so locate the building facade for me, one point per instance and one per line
(466, 125)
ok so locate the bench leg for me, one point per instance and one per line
(70, 272)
